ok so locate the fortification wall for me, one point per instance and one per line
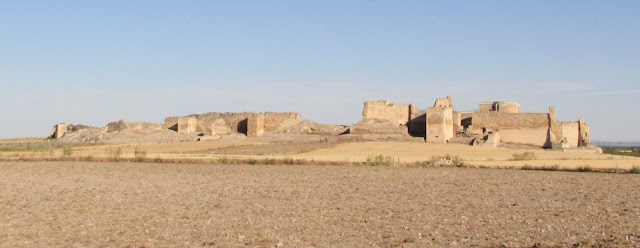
(585, 133)
(457, 122)
(515, 128)
(59, 130)
(418, 123)
(570, 133)
(485, 107)
(398, 114)
(505, 107)
(509, 107)
(187, 125)
(439, 125)
(255, 126)
(237, 122)
(444, 102)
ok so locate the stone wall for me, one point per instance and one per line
(237, 122)
(515, 128)
(570, 134)
(439, 124)
(398, 114)
(255, 126)
(466, 119)
(509, 107)
(59, 130)
(585, 133)
(457, 122)
(117, 126)
(444, 102)
(417, 124)
(187, 125)
(485, 107)
(505, 107)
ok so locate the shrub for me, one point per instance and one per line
(223, 160)
(524, 156)
(380, 160)
(635, 169)
(551, 168)
(287, 161)
(252, 161)
(139, 155)
(586, 168)
(528, 167)
(67, 152)
(115, 153)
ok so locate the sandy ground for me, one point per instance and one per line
(160, 205)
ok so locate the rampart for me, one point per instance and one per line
(505, 107)
(237, 122)
(59, 130)
(439, 124)
(398, 114)
(515, 128)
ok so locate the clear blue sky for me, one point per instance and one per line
(93, 62)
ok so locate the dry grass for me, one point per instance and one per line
(403, 153)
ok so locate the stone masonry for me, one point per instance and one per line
(187, 125)
(255, 125)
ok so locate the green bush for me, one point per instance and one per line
(524, 156)
(635, 169)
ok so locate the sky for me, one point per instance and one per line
(95, 62)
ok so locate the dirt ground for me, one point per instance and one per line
(160, 205)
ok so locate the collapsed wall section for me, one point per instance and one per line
(237, 122)
(187, 125)
(515, 128)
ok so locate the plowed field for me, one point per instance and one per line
(159, 205)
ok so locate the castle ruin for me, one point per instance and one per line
(494, 124)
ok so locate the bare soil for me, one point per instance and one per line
(159, 205)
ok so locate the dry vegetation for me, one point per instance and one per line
(64, 204)
(246, 151)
